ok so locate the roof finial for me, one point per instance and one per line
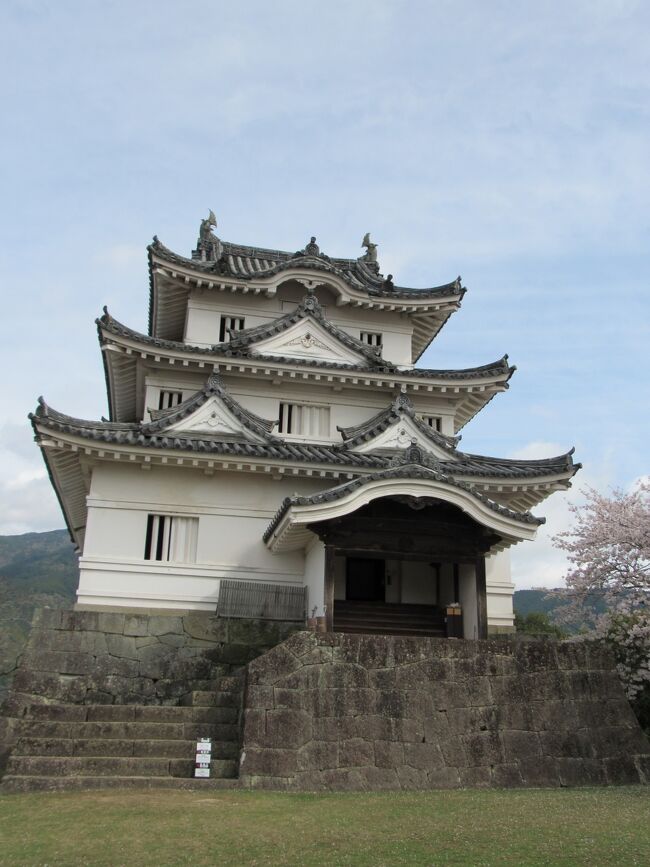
(371, 250)
(312, 248)
(208, 246)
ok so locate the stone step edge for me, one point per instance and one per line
(15, 783)
(189, 746)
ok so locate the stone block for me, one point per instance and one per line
(344, 779)
(453, 752)
(388, 754)
(347, 649)
(581, 772)
(475, 777)
(336, 728)
(82, 620)
(287, 727)
(155, 661)
(407, 651)
(343, 676)
(318, 755)
(206, 627)
(382, 678)
(162, 624)
(375, 652)
(424, 756)
(269, 762)
(303, 643)
(483, 748)
(521, 745)
(306, 677)
(621, 771)
(443, 778)
(254, 727)
(260, 697)
(436, 726)
(411, 778)
(507, 776)
(356, 752)
(540, 772)
(286, 698)
(122, 646)
(342, 702)
(172, 639)
(274, 666)
(47, 618)
(379, 779)
(60, 662)
(136, 625)
(567, 744)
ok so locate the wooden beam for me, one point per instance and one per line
(481, 598)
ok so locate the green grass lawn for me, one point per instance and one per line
(474, 827)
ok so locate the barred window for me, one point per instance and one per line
(169, 399)
(171, 538)
(372, 338)
(234, 322)
(304, 420)
(434, 421)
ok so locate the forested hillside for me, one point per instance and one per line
(35, 569)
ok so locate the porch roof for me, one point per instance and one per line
(289, 530)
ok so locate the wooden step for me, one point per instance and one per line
(404, 633)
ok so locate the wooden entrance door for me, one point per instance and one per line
(365, 579)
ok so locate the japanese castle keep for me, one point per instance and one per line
(285, 549)
(271, 437)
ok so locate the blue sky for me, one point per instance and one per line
(502, 141)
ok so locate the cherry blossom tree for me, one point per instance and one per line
(608, 551)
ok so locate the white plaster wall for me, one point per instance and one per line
(233, 509)
(499, 590)
(205, 309)
(467, 576)
(314, 578)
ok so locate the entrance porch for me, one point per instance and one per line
(405, 566)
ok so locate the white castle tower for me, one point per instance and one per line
(273, 450)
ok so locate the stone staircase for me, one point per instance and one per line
(385, 618)
(67, 746)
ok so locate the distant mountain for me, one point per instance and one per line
(546, 602)
(36, 569)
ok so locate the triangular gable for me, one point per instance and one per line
(212, 411)
(214, 418)
(401, 434)
(307, 339)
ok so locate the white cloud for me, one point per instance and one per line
(28, 500)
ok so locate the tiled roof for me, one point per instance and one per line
(246, 263)
(401, 406)
(163, 419)
(156, 435)
(225, 350)
(309, 308)
(406, 471)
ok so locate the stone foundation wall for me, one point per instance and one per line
(89, 657)
(377, 712)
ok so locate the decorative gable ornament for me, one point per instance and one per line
(401, 435)
(214, 418)
(307, 339)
